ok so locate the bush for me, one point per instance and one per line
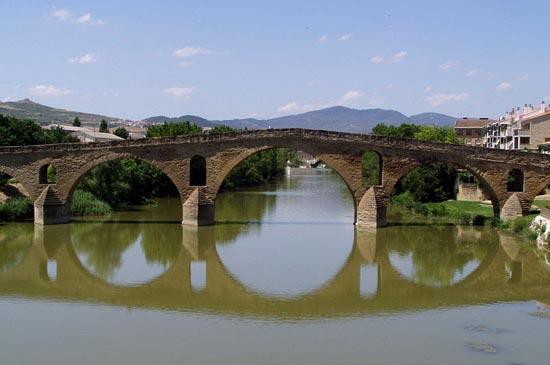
(16, 209)
(86, 204)
(519, 225)
(479, 220)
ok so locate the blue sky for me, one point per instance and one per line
(238, 59)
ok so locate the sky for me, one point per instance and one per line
(263, 59)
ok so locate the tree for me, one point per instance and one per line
(20, 132)
(76, 122)
(121, 132)
(103, 126)
(172, 129)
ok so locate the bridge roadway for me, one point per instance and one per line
(508, 272)
(218, 154)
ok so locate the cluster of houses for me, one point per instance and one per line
(518, 129)
(88, 134)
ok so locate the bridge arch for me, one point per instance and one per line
(197, 171)
(14, 173)
(515, 181)
(486, 183)
(76, 177)
(344, 169)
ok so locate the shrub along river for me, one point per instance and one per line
(283, 278)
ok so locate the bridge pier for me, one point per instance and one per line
(371, 210)
(49, 209)
(197, 211)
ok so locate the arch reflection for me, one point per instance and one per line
(508, 272)
(126, 254)
(439, 255)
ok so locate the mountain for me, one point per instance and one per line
(337, 118)
(341, 119)
(27, 109)
(432, 119)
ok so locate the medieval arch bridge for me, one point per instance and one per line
(197, 165)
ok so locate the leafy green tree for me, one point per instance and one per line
(103, 126)
(76, 122)
(121, 132)
(436, 134)
(19, 132)
(222, 129)
(172, 129)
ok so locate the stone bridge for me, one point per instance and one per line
(197, 165)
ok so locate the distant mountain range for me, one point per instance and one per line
(337, 118)
(27, 109)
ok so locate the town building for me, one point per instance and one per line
(471, 131)
(527, 129)
(85, 134)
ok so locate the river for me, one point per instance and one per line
(283, 278)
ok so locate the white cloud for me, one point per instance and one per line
(428, 89)
(180, 92)
(351, 95)
(503, 86)
(190, 52)
(346, 37)
(84, 59)
(323, 38)
(61, 14)
(440, 99)
(185, 64)
(85, 18)
(398, 57)
(64, 15)
(523, 78)
(471, 73)
(377, 59)
(48, 90)
(448, 65)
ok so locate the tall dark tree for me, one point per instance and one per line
(121, 132)
(76, 122)
(103, 126)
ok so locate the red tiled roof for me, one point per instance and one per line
(472, 123)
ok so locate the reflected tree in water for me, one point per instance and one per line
(161, 243)
(102, 245)
(439, 256)
(15, 240)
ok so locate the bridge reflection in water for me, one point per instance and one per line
(45, 264)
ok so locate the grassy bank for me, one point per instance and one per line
(463, 213)
(451, 211)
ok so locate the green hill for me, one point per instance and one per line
(27, 109)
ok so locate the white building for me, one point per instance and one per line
(85, 134)
(518, 129)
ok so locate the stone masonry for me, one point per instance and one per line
(222, 152)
